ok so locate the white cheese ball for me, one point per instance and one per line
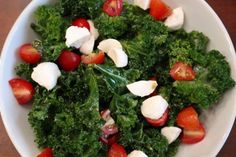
(137, 153)
(142, 88)
(76, 36)
(154, 107)
(46, 74)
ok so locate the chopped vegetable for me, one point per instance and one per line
(23, 90)
(29, 54)
(72, 117)
(68, 60)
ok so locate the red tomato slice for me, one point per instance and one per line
(29, 54)
(182, 72)
(113, 7)
(68, 60)
(81, 22)
(159, 10)
(109, 129)
(109, 140)
(117, 150)
(193, 136)
(47, 152)
(22, 90)
(188, 118)
(93, 58)
(159, 122)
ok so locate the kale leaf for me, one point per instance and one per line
(64, 125)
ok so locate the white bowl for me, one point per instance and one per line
(199, 16)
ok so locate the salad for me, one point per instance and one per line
(116, 79)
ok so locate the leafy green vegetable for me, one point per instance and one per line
(198, 93)
(64, 126)
(67, 118)
(119, 106)
(111, 27)
(49, 24)
(81, 8)
(116, 80)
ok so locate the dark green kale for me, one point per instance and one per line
(50, 51)
(198, 41)
(111, 26)
(69, 128)
(119, 107)
(81, 8)
(115, 79)
(51, 27)
(219, 72)
(24, 70)
(198, 92)
(148, 140)
(49, 24)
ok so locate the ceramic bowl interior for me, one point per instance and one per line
(198, 16)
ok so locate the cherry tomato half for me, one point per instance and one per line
(193, 135)
(159, 122)
(93, 58)
(47, 152)
(68, 60)
(117, 150)
(22, 90)
(113, 7)
(159, 10)
(29, 54)
(182, 72)
(81, 22)
(188, 118)
(109, 140)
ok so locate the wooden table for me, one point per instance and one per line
(10, 9)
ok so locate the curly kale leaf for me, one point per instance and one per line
(81, 8)
(198, 41)
(148, 140)
(24, 70)
(49, 24)
(198, 92)
(51, 27)
(116, 79)
(119, 107)
(144, 50)
(111, 27)
(219, 72)
(69, 128)
(50, 51)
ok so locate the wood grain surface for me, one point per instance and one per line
(10, 10)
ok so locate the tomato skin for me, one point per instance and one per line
(117, 150)
(159, 122)
(47, 152)
(182, 72)
(110, 139)
(193, 136)
(159, 10)
(113, 7)
(81, 22)
(29, 54)
(188, 118)
(22, 90)
(93, 58)
(68, 60)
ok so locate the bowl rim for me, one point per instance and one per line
(26, 11)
